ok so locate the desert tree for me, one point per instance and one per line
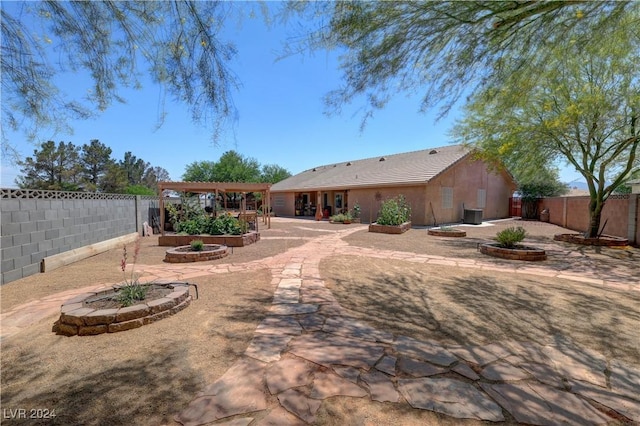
(446, 50)
(273, 173)
(177, 43)
(582, 109)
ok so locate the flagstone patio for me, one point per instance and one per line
(308, 349)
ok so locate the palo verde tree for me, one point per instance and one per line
(113, 42)
(448, 49)
(583, 108)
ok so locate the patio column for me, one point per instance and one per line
(161, 205)
(318, 206)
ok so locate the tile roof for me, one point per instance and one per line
(417, 167)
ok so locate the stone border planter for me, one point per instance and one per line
(76, 319)
(223, 240)
(184, 254)
(530, 254)
(447, 233)
(604, 240)
(390, 229)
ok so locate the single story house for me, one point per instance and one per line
(438, 183)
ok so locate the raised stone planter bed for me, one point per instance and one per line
(447, 232)
(604, 240)
(390, 229)
(77, 318)
(531, 254)
(225, 240)
(185, 254)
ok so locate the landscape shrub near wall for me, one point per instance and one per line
(394, 212)
(36, 224)
(190, 219)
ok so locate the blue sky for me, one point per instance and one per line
(281, 117)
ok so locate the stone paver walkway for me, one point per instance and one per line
(308, 349)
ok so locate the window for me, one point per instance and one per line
(338, 201)
(278, 201)
(482, 198)
(447, 197)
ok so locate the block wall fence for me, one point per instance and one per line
(36, 224)
(620, 215)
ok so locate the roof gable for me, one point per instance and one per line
(417, 167)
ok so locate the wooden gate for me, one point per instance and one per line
(515, 206)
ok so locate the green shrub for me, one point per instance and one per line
(189, 210)
(509, 237)
(356, 210)
(394, 211)
(192, 226)
(197, 245)
(224, 224)
(132, 293)
(213, 226)
(340, 217)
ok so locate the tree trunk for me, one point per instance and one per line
(595, 213)
(530, 208)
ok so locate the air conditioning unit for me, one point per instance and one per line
(473, 216)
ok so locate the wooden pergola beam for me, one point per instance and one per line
(213, 186)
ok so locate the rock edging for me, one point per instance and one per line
(184, 254)
(603, 240)
(76, 319)
(447, 233)
(390, 229)
(530, 254)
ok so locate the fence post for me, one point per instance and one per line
(138, 202)
(632, 220)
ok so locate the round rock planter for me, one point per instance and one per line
(447, 233)
(77, 318)
(603, 241)
(185, 254)
(530, 254)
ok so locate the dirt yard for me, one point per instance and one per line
(147, 375)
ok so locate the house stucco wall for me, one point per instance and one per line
(465, 179)
(462, 182)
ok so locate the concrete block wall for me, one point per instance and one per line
(620, 214)
(37, 224)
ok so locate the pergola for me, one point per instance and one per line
(218, 187)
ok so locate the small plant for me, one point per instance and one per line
(191, 226)
(132, 291)
(446, 228)
(394, 212)
(511, 236)
(356, 211)
(341, 217)
(197, 245)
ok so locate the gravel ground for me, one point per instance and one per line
(145, 376)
